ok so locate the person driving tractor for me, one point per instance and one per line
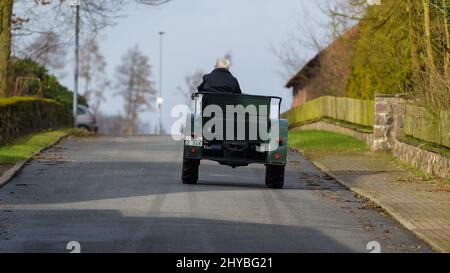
(220, 80)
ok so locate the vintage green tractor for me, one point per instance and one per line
(236, 130)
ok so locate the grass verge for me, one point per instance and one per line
(25, 146)
(432, 147)
(315, 143)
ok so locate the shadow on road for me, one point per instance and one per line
(160, 234)
(55, 182)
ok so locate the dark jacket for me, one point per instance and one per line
(220, 80)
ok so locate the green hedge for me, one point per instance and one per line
(422, 125)
(19, 116)
(355, 111)
(51, 87)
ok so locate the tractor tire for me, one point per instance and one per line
(190, 171)
(275, 176)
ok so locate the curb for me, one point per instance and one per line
(389, 210)
(11, 173)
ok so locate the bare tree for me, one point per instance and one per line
(58, 15)
(26, 17)
(191, 82)
(344, 14)
(111, 125)
(116, 125)
(312, 36)
(46, 49)
(305, 40)
(93, 72)
(6, 13)
(134, 85)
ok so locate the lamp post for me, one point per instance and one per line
(76, 4)
(159, 98)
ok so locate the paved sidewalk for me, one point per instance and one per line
(4, 168)
(422, 207)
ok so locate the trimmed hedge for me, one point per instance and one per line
(23, 115)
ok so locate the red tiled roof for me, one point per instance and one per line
(310, 69)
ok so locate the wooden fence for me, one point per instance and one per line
(422, 125)
(346, 109)
(418, 123)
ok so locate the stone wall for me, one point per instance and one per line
(383, 124)
(388, 121)
(390, 114)
(429, 162)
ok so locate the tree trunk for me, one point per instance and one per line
(6, 9)
(412, 36)
(427, 30)
(447, 40)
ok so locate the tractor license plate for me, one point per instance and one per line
(198, 142)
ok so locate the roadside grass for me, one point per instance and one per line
(417, 175)
(315, 143)
(25, 146)
(433, 147)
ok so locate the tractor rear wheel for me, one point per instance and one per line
(190, 171)
(275, 176)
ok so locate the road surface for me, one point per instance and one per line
(117, 194)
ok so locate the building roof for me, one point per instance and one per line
(306, 73)
(312, 67)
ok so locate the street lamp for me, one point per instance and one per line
(76, 5)
(159, 98)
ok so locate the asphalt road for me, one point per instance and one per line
(115, 194)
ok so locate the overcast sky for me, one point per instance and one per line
(198, 32)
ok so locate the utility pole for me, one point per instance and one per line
(159, 98)
(76, 4)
